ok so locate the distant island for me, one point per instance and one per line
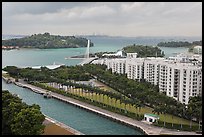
(179, 44)
(144, 51)
(141, 50)
(45, 41)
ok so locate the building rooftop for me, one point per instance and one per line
(152, 115)
(48, 66)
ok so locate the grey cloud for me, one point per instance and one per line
(40, 7)
(126, 17)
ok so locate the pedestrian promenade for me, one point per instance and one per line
(148, 129)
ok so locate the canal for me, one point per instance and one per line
(84, 121)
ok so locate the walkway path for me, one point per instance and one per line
(148, 129)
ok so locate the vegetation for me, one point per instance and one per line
(44, 74)
(99, 54)
(144, 51)
(46, 40)
(130, 93)
(19, 118)
(194, 109)
(179, 44)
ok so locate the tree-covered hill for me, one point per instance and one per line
(47, 41)
(144, 51)
(179, 44)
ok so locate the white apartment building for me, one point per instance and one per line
(131, 55)
(176, 78)
(117, 65)
(152, 69)
(183, 81)
(134, 68)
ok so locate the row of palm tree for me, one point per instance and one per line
(136, 93)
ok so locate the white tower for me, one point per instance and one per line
(86, 56)
(88, 48)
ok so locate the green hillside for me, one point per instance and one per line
(46, 40)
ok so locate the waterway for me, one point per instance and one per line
(84, 121)
(79, 119)
(40, 57)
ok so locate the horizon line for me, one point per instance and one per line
(105, 35)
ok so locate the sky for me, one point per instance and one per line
(103, 18)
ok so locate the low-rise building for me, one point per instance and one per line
(151, 118)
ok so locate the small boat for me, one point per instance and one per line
(9, 81)
(16, 95)
(47, 95)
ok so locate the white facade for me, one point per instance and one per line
(134, 68)
(197, 50)
(152, 69)
(151, 118)
(174, 78)
(131, 55)
(117, 65)
(117, 54)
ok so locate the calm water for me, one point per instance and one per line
(79, 119)
(39, 57)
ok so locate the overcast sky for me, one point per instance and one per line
(111, 18)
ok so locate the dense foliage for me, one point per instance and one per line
(179, 44)
(19, 118)
(137, 93)
(144, 51)
(44, 74)
(47, 41)
(99, 54)
(194, 108)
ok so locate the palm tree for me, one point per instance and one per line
(92, 95)
(139, 105)
(115, 103)
(190, 112)
(110, 103)
(108, 99)
(157, 110)
(199, 116)
(172, 110)
(164, 112)
(103, 98)
(89, 95)
(136, 106)
(80, 92)
(126, 102)
(182, 112)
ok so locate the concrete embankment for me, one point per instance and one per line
(107, 114)
(64, 128)
(146, 128)
(58, 124)
(80, 104)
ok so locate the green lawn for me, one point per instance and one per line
(167, 118)
(6, 75)
(107, 88)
